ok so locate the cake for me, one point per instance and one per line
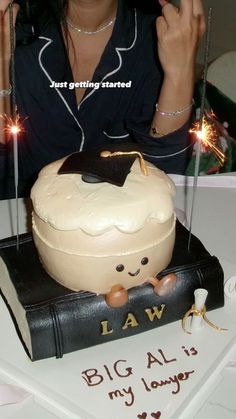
(102, 232)
(99, 236)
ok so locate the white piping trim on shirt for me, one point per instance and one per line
(168, 155)
(118, 49)
(58, 91)
(115, 136)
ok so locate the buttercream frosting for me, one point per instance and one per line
(66, 202)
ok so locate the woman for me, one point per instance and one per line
(123, 62)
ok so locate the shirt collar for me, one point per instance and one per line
(54, 62)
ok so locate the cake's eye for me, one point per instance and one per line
(144, 261)
(120, 268)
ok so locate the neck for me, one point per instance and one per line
(91, 14)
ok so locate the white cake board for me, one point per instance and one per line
(58, 384)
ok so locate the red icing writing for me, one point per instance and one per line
(175, 379)
(155, 415)
(142, 416)
(123, 393)
(192, 351)
(151, 359)
(93, 377)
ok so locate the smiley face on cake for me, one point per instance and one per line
(94, 235)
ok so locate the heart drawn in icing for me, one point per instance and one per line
(142, 416)
(156, 415)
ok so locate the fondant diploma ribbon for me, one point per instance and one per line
(195, 312)
(12, 394)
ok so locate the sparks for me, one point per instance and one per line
(15, 129)
(206, 132)
(12, 125)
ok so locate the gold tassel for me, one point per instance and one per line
(143, 165)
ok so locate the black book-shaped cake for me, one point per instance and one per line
(52, 320)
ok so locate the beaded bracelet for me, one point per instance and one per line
(174, 113)
(5, 92)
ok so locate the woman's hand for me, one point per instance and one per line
(179, 31)
(5, 29)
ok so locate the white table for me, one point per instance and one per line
(57, 387)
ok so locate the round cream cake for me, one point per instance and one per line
(92, 236)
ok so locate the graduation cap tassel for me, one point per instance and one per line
(143, 165)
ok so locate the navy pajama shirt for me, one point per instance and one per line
(56, 126)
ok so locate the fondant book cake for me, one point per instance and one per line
(52, 320)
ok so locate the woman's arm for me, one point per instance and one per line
(178, 32)
(5, 53)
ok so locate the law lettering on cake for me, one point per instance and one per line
(131, 320)
(124, 378)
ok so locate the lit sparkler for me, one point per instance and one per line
(207, 134)
(200, 122)
(13, 126)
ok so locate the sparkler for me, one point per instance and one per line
(207, 135)
(201, 131)
(14, 131)
(14, 126)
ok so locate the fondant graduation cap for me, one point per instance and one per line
(104, 165)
